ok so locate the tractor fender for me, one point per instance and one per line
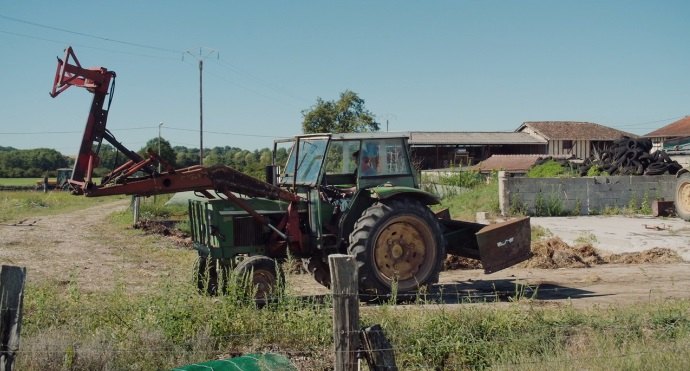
(385, 192)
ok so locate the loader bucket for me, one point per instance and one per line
(498, 246)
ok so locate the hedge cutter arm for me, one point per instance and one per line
(139, 176)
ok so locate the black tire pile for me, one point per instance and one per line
(629, 156)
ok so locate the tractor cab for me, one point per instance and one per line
(341, 175)
(347, 162)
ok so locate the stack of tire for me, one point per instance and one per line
(628, 156)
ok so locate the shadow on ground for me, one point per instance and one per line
(485, 291)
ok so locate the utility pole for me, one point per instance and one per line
(388, 116)
(201, 111)
(201, 58)
(159, 147)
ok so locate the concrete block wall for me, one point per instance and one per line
(592, 194)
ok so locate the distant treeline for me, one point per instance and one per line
(27, 163)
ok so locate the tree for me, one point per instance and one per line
(30, 162)
(167, 153)
(346, 115)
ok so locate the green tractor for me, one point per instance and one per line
(60, 182)
(357, 194)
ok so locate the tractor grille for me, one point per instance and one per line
(247, 231)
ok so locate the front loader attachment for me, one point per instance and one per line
(497, 246)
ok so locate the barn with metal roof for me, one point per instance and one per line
(434, 150)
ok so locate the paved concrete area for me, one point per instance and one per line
(620, 234)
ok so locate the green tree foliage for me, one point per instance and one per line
(37, 162)
(110, 158)
(26, 163)
(166, 151)
(346, 115)
(186, 156)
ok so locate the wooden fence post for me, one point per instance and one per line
(136, 203)
(345, 311)
(377, 350)
(11, 300)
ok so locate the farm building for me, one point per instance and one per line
(436, 150)
(576, 139)
(675, 134)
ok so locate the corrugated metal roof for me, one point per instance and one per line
(471, 138)
(573, 130)
(680, 128)
(510, 163)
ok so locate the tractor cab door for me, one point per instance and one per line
(302, 174)
(340, 167)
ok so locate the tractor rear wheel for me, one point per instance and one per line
(682, 201)
(263, 276)
(398, 246)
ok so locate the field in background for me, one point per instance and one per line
(18, 181)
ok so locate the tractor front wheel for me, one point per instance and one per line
(682, 201)
(398, 245)
(262, 275)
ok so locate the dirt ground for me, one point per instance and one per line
(83, 246)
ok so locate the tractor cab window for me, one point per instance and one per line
(311, 153)
(340, 158)
(383, 157)
(341, 164)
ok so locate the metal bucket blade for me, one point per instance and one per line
(505, 244)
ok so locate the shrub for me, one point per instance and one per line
(550, 169)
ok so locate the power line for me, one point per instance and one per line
(250, 89)
(59, 42)
(145, 128)
(230, 133)
(90, 35)
(269, 85)
(650, 122)
(74, 132)
(152, 47)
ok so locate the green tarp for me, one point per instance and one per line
(263, 361)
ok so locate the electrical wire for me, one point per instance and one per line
(267, 84)
(227, 133)
(82, 46)
(129, 43)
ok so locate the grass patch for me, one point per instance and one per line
(483, 197)
(19, 205)
(14, 182)
(550, 169)
(170, 325)
(586, 238)
(539, 233)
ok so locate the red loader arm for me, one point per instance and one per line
(127, 178)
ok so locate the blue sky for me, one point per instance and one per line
(433, 65)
